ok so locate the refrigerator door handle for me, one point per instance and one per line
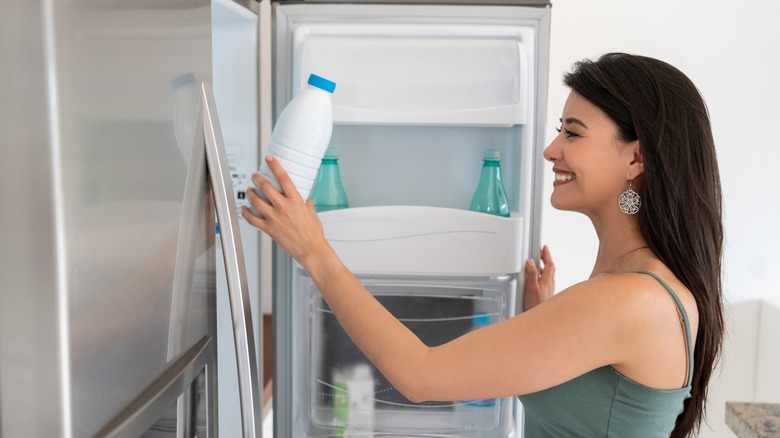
(146, 408)
(230, 236)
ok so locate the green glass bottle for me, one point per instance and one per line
(490, 196)
(328, 193)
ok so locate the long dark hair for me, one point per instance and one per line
(681, 216)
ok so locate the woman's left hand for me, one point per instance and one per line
(539, 287)
(286, 217)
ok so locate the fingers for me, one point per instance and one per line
(272, 196)
(532, 291)
(253, 220)
(310, 207)
(539, 281)
(531, 273)
(259, 205)
(268, 200)
(281, 175)
(548, 273)
(546, 256)
(547, 267)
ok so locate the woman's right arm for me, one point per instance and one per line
(531, 351)
(295, 226)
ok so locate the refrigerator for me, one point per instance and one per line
(112, 174)
(422, 89)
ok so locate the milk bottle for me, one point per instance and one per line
(301, 135)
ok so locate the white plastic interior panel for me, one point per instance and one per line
(418, 72)
(424, 240)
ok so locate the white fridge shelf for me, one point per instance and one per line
(424, 240)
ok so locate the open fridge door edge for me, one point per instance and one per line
(240, 310)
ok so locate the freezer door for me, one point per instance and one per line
(98, 116)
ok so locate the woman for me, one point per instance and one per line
(629, 351)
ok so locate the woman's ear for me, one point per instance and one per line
(636, 165)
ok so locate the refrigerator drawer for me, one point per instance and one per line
(338, 392)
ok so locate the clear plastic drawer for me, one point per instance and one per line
(340, 393)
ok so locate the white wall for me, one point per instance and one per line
(730, 51)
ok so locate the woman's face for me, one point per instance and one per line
(592, 165)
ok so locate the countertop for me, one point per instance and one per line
(754, 420)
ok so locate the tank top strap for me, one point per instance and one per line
(686, 323)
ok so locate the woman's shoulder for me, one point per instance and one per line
(635, 284)
(635, 294)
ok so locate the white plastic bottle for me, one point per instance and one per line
(354, 397)
(302, 134)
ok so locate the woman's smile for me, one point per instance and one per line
(563, 177)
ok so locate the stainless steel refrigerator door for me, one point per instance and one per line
(189, 373)
(95, 152)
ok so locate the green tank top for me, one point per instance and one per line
(605, 403)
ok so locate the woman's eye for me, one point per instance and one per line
(560, 128)
(570, 134)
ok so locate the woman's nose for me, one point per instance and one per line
(551, 152)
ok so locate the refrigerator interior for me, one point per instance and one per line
(421, 92)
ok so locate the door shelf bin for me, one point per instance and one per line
(338, 391)
(424, 240)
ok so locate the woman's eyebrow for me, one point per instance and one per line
(575, 121)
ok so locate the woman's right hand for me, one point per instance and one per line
(539, 286)
(286, 217)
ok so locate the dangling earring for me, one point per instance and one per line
(629, 200)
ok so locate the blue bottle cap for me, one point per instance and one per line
(481, 319)
(321, 83)
(491, 155)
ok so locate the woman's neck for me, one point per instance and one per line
(621, 246)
